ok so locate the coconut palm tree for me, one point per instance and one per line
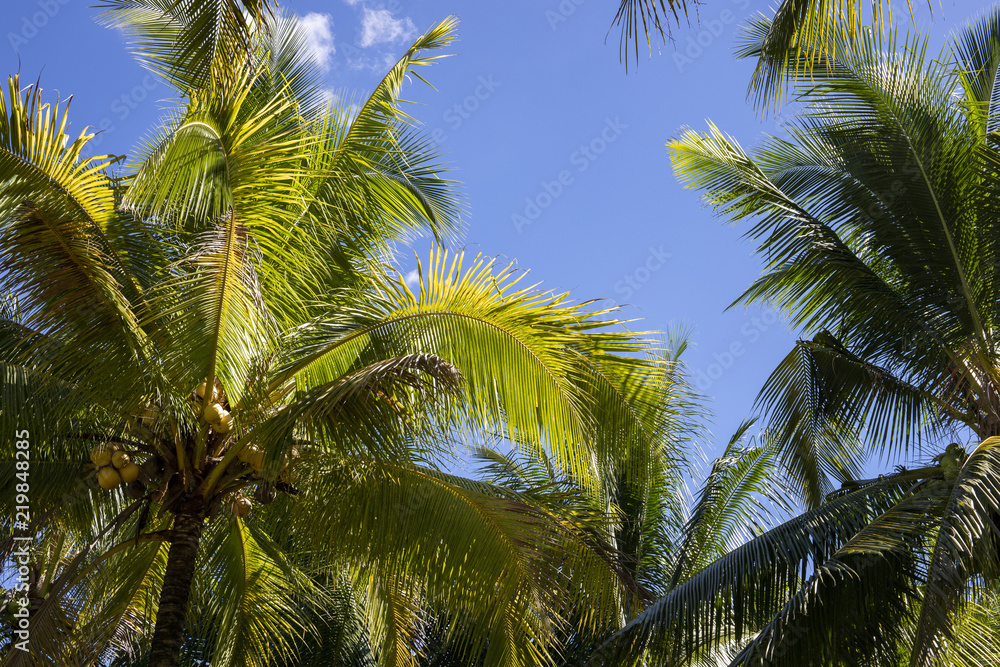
(878, 220)
(266, 407)
(804, 32)
(638, 496)
(665, 540)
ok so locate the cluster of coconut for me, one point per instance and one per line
(254, 457)
(220, 418)
(265, 494)
(113, 466)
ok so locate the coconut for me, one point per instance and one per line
(200, 390)
(150, 413)
(213, 413)
(108, 478)
(101, 455)
(253, 456)
(129, 472)
(136, 490)
(241, 507)
(225, 423)
(120, 460)
(289, 475)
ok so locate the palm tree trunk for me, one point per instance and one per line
(169, 632)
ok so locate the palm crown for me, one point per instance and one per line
(220, 313)
(877, 219)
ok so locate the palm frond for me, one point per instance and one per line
(966, 547)
(732, 507)
(374, 172)
(182, 40)
(642, 19)
(254, 618)
(519, 351)
(802, 39)
(739, 593)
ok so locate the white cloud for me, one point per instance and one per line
(378, 27)
(412, 279)
(319, 37)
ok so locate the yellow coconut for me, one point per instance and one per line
(101, 455)
(289, 474)
(129, 472)
(213, 413)
(253, 456)
(241, 507)
(200, 390)
(120, 460)
(108, 478)
(225, 423)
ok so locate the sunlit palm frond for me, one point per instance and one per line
(966, 547)
(736, 595)
(802, 39)
(252, 617)
(376, 175)
(517, 350)
(55, 208)
(182, 40)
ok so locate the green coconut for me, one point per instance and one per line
(242, 506)
(213, 413)
(101, 455)
(129, 472)
(108, 478)
(225, 423)
(200, 391)
(120, 460)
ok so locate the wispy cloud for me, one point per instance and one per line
(379, 27)
(319, 37)
(412, 279)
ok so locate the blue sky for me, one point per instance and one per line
(560, 152)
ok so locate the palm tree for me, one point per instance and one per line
(878, 220)
(640, 499)
(804, 32)
(664, 540)
(217, 324)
